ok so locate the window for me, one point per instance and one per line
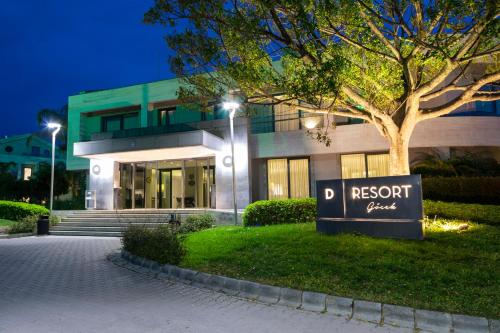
(164, 116)
(27, 171)
(299, 178)
(119, 122)
(364, 165)
(46, 152)
(286, 119)
(9, 149)
(288, 178)
(110, 124)
(378, 165)
(35, 151)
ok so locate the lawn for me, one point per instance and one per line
(451, 270)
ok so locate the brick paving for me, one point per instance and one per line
(66, 284)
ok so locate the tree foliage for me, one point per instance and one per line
(37, 188)
(389, 63)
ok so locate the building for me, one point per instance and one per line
(23, 154)
(143, 149)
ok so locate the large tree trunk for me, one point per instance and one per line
(399, 163)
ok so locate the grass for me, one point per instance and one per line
(451, 270)
(6, 223)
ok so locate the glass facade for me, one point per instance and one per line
(167, 184)
(288, 178)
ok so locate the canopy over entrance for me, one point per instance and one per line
(174, 146)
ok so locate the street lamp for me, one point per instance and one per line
(57, 128)
(232, 107)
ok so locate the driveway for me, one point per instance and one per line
(65, 284)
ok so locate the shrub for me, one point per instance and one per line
(160, 244)
(267, 212)
(489, 214)
(54, 220)
(17, 211)
(76, 203)
(26, 225)
(485, 190)
(196, 223)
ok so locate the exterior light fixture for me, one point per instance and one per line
(311, 123)
(56, 128)
(232, 107)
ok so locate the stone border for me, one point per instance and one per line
(348, 308)
(9, 236)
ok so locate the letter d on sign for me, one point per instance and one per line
(329, 193)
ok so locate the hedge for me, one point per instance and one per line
(17, 211)
(160, 244)
(195, 223)
(489, 214)
(483, 190)
(268, 212)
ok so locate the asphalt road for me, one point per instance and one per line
(66, 284)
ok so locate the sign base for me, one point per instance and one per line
(382, 228)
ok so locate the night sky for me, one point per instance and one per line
(51, 49)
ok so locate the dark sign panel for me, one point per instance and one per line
(398, 197)
(330, 198)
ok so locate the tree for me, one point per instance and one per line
(387, 62)
(39, 184)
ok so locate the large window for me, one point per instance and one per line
(364, 165)
(119, 122)
(288, 178)
(286, 118)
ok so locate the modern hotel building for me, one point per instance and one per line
(144, 149)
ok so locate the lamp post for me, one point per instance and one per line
(232, 107)
(57, 128)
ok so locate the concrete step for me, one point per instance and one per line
(86, 233)
(90, 229)
(118, 220)
(117, 216)
(107, 224)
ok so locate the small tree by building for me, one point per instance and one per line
(389, 63)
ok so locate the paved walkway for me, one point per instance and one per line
(65, 284)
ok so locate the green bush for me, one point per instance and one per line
(17, 211)
(484, 190)
(196, 223)
(267, 212)
(160, 244)
(26, 225)
(77, 203)
(489, 214)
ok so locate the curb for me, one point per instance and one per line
(9, 236)
(348, 308)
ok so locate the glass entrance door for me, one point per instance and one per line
(139, 185)
(170, 188)
(167, 184)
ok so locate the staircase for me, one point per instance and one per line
(107, 223)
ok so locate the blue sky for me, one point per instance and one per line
(51, 49)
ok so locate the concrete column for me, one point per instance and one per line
(223, 177)
(101, 180)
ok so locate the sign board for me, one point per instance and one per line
(90, 199)
(377, 200)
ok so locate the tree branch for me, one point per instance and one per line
(472, 94)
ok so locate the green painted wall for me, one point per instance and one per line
(81, 125)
